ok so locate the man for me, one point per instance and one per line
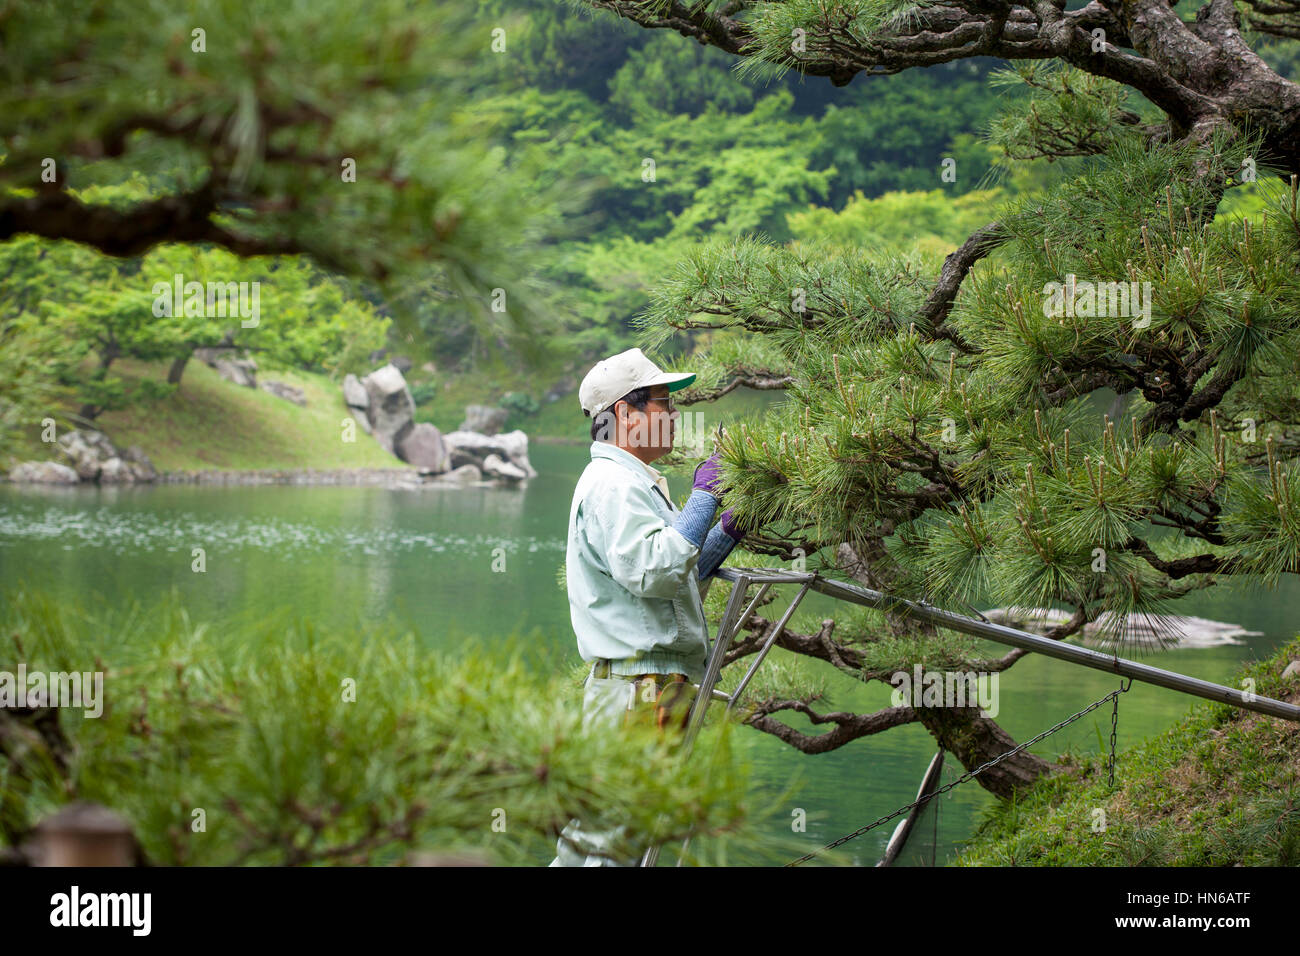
(634, 564)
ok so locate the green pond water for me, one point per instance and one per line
(338, 554)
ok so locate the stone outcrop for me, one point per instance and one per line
(43, 473)
(484, 419)
(354, 393)
(357, 400)
(472, 448)
(390, 407)
(241, 371)
(94, 458)
(1167, 630)
(498, 467)
(288, 392)
(381, 403)
(465, 473)
(423, 447)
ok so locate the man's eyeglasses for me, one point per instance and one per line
(664, 401)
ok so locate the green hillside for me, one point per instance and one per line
(212, 423)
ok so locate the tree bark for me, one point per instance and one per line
(975, 740)
(177, 369)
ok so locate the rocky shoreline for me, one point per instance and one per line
(398, 478)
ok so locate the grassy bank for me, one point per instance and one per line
(1220, 788)
(211, 423)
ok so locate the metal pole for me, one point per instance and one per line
(732, 620)
(767, 646)
(1072, 653)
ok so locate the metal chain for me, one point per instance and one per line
(972, 774)
(1114, 731)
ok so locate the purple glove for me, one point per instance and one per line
(706, 476)
(707, 479)
(729, 526)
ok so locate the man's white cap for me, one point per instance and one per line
(614, 377)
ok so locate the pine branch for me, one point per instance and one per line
(848, 727)
(956, 265)
(1179, 567)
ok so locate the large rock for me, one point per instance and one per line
(473, 448)
(87, 451)
(465, 473)
(484, 419)
(43, 472)
(288, 392)
(240, 371)
(497, 467)
(423, 447)
(142, 468)
(1138, 630)
(515, 444)
(94, 458)
(357, 400)
(354, 393)
(390, 406)
(225, 359)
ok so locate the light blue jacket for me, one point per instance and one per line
(634, 590)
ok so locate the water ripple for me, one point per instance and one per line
(133, 532)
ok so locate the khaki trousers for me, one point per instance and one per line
(658, 700)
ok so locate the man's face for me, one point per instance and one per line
(648, 434)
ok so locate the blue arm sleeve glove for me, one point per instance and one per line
(695, 517)
(716, 547)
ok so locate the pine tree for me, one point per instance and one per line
(1093, 404)
(344, 133)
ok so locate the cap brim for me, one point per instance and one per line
(674, 380)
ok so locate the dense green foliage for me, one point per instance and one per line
(90, 310)
(586, 101)
(323, 130)
(305, 746)
(954, 452)
(731, 156)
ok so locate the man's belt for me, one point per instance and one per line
(602, 670)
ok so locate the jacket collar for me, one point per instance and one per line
(604, 449)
